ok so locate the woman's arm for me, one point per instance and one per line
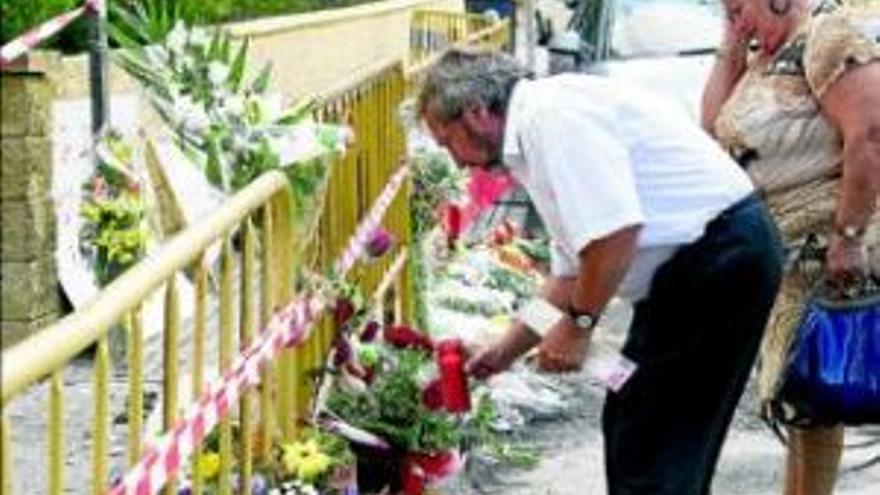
(730, 64)
(852, 103)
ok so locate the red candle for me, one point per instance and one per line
(453, 380)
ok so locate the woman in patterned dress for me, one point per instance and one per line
(802, 114)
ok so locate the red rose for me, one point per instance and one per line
(432, 395)
(402, 336)
(343, 311)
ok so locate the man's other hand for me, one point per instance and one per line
(564, 348)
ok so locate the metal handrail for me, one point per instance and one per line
(51, 348)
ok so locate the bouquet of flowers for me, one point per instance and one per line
(230, 124)
(115, 232)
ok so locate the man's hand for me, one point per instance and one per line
(502, 354)
(564, 348)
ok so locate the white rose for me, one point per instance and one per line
(235, 105)
(198, 37)
(196, 120)
(218, 72)
(176, 40)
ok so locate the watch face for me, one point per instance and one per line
(584, 321)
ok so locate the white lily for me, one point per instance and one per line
(217, 72)
(196, 120)
(198, 37)
(176, 39)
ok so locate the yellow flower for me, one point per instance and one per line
(312, 467)
(304, 460)
(208, 465)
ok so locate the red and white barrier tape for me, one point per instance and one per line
(370, 222)
(289, 327)
(31, 39)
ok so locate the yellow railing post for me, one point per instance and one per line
(282, 270)
(100, 418)
(56, 434)
(136, 385)
(172, 345)
(198, 373)
(6, 445)
(267, 375)
(246, 332)
(225, 427)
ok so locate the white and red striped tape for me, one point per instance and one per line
(289, 327)
(31, 39)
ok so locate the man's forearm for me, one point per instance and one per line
(603, 265)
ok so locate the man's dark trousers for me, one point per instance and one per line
(695, 338)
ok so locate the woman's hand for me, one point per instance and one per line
(847, 261)
(564, 348)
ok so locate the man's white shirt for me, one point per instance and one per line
(598, 156)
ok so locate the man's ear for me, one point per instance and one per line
(478, 117)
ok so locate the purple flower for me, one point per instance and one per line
(343, 311)
(371, 329)
(379, 243)
(259, 485)
(341, 351)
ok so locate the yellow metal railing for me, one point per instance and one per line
(117, 308)
(258, 239)
(467, 30)
(432, 31)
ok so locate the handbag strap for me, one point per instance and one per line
(864, 293)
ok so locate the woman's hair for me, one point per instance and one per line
(465, 77)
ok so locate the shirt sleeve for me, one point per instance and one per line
(837, 42)
(587, 172)
(561, 264)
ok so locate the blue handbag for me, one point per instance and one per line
(832, 374)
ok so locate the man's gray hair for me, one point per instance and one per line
(465, 77)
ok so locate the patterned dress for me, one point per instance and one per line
(772, 125)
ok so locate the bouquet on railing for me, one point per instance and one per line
(230, 124)
(115, 231)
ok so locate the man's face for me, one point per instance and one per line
(473, 139)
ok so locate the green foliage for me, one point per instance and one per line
(479, 432)
(137, 23)
(392, 407)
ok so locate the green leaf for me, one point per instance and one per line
(236, 72)
(298, 111)
(213, 167)
(132, 21)
(121, 38)
(226, 49)
(163, 26)
(214, 48)
(261, 83)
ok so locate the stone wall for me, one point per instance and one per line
(27, 251)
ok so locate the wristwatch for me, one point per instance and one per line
(583, 320)
(850, 233)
